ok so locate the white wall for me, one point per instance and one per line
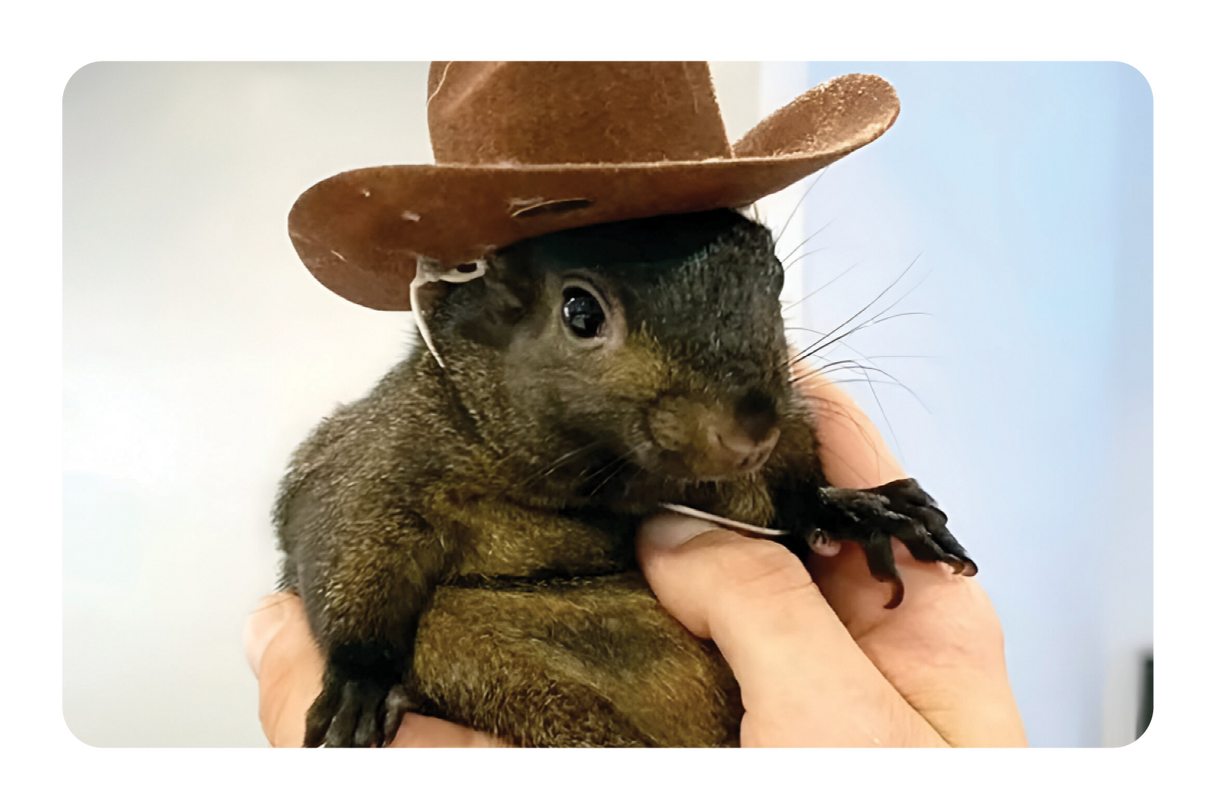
(198, 351)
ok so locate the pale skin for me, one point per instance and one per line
(819, 659)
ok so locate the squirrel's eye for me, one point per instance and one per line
(583, 313)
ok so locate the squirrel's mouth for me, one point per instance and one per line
(716, 458)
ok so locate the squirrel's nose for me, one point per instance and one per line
(756, 415)
(745, 442)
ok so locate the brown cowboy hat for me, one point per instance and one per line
(527, 148)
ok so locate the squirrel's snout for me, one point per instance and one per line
(713, 442)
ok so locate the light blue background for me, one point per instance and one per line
(1025, 192)
(198, 352)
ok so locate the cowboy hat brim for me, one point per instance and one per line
(360, 232)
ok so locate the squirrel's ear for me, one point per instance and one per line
(504, 299)
(508, 291)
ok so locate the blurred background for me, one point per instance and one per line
(1005, 220)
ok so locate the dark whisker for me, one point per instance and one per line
(864, 369)
(836, 278)
(806, 254)
(820, 347)
(815, 350)
(804, 242)
(824, 286)
(874, 301)
(788, 222)
(879, 317)
(568, 457)
(866, 380)
(827, 406)
(616, 466)
(832, 338)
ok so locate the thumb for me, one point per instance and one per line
(752, 597)
(803, 679)
(287, 664)
(263, 623)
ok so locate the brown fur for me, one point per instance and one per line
(463, 536)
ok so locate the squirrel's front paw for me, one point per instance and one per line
(360, 705)
(901, 509)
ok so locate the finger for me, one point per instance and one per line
(942, 649)
(262, 624)
(288, 665)
(803, 679)
(860, 599)
(426, 731)
(853, 454)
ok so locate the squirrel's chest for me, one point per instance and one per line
(499, 538)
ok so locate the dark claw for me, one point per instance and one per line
(879, 554)
(395, 706)
(872, 518)
(896, 598)
(962, 567)
(320, 716)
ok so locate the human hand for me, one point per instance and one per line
(819, 659)
(289, 669)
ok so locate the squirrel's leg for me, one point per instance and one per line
(364, 596)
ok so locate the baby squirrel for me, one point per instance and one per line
(462, 537)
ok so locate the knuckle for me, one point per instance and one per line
(760, 569)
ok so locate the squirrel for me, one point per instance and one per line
(462, 537)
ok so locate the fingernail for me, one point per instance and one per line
(823, 545)
(667, 531)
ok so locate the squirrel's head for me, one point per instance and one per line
(655, 344)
